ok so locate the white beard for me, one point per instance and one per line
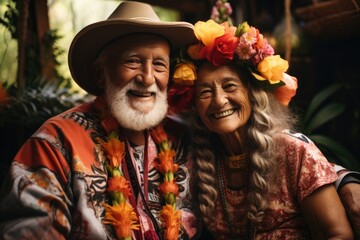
(136, 117)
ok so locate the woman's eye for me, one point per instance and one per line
(229, 87)
(205, 93)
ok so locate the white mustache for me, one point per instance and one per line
(132, 86)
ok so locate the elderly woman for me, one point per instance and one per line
(256, 177)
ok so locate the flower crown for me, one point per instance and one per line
(222, 43)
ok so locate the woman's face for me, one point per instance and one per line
(222, 99)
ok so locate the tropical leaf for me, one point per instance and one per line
(319, 99)
(324, 115)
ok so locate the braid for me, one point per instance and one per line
(261, 153)
(206, 171)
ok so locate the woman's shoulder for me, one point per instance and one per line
(288, 136)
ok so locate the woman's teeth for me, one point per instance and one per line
(224, 114)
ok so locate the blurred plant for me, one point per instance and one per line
(320, 113)
(37, 104)
(221, 12)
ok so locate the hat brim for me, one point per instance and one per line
(90, 40)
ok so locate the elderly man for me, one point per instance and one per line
(96, 171)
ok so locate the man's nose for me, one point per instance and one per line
(146, 77)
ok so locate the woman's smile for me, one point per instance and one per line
(223, 114)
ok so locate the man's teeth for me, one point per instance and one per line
(141, 94)
(224, 114)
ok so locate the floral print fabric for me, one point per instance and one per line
(57, 182)
(302, 169)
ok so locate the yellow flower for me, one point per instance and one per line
(115, 150)
(208, 31)
(171, 219)
(122, 217)
(272, 68)
(185, 73)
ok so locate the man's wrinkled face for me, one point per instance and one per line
(136, 73)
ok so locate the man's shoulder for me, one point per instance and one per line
(177, 128)
(176, 125)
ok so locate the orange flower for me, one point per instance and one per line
(194, 50)
(165, 163)
(229, 29)
(158, 134)
(122, 217)
(285, 93)
(169, 187)
(115, 150)
(171, 219)
(119, 184)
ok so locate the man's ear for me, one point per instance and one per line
(98, 73)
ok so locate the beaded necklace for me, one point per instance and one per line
(121, 215)
(224, 201)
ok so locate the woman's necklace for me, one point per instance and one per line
(237, 161)
(224, 201)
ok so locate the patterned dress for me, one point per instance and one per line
(301, 170)
(57, 182)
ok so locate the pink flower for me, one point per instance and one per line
(245, 51)
(248, 37)
(228, 8)
(214, 13)
(267, 49)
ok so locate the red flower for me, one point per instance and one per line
(180, 97)
(222, 51)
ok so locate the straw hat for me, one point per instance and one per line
(129, 17)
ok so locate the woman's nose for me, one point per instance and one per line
(220, 98)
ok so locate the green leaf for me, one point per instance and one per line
(319, 99)
(343, 155)
(324, 115)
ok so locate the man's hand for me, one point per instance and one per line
(350, 197)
